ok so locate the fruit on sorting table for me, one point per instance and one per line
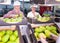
(16, 33)
(19, 19)
(2, 33)
(5, 19)
(42, 28)
(1, 42)
(21, 15)
(42, 35)
(36, 35)
(38, 30)
(43, 19)
(47, 15)
(17, 40)
(54, 32)
(12, 38)
(9, 32)
(53, 28)
(5, 38)
(48, 28)
(45, 31)
(0, 38)
(15, 19)
(9, 36)
(11, 42)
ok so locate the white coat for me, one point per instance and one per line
(31, 15)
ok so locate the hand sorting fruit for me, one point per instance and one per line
(14, 19)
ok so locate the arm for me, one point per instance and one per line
(43, 39)
(28, 15)
(7, 15)
(53, 36)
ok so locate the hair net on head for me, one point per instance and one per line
(16, 3)
(34, 5)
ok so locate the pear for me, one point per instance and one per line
(12, 37)
(5, 38)
(42, 35)
(47, 33)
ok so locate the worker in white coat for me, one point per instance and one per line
(33, 13)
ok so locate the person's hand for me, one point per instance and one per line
(43, 40)
(53, 36)
(13, 16)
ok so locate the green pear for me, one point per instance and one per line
(9, 32)
(12, 37)
(13, 20)
(11, 42)
(2, 33)
(42, 28)
(37, 30)
(1, 42)
(53, 28)
(36, 35)
(54, 32)
(5, 38)
(42, 35)
(17, 40)
(47, 33)
(21, 15)
(0, 38)
(9, 20)
(48, 28)
(16, 33)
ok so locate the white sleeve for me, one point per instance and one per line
(28, 15)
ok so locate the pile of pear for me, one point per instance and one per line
(45, 31)
(14, 19)
(43, 19)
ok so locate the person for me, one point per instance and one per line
(33, 13)
(47, 12)
(15, 11)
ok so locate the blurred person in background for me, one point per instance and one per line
(15, 11)
(33, 13)
(47, 12)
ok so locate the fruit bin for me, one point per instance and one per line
(33, 27)
(34, 21)
(10, 34)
